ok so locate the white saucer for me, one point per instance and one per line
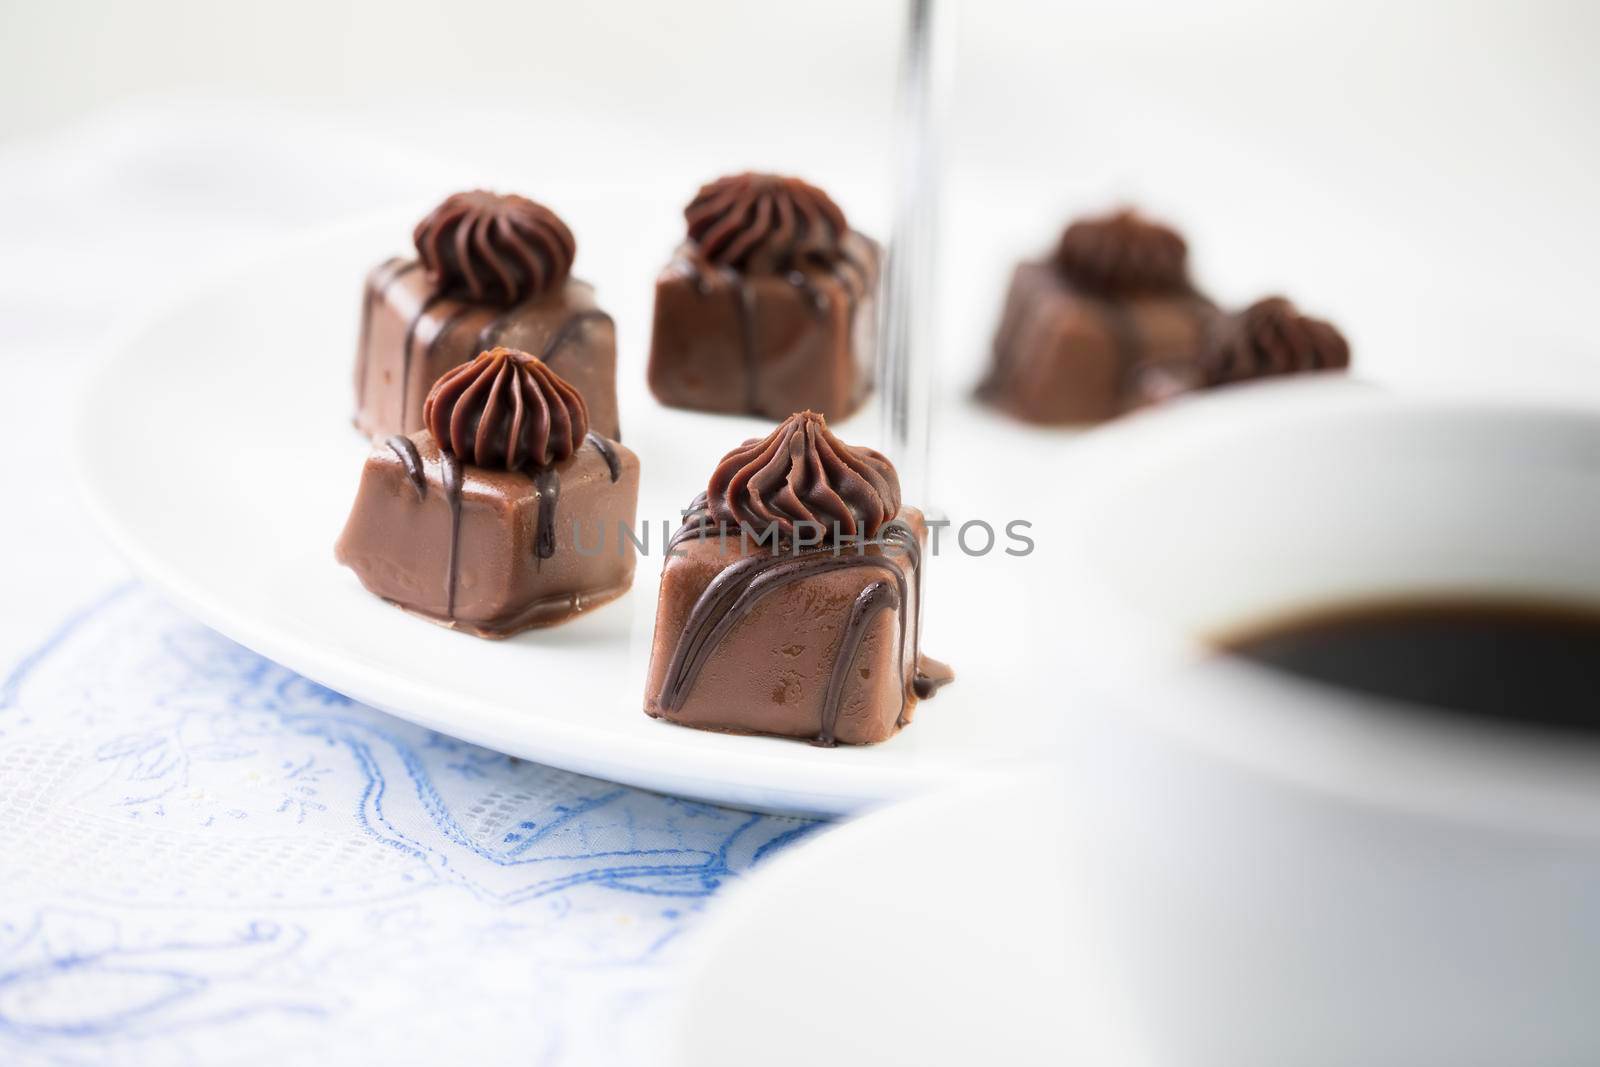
(931, 933)
(215, 447)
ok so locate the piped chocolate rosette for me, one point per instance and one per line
(767, 305)
(802, 474)
(1123, 254)
(457, 521)
(1269, 338)
(507, 410)
(493, 248)
(490, 270)
(765, 223)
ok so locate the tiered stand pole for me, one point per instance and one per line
(911, 275)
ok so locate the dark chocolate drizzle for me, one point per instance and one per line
(855, 276)
(850, 272)
(444, 328)
(607, 453)
(450, 477)
(548, 482)
(745, 303)
(487, 337)
(406, 449)
(733, 593)
(405, 359)
(490, 335)
(570, 330)
(879, 596)
(932, 676)
(392, 270)
(697, 523)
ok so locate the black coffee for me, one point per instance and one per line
(1533, 664)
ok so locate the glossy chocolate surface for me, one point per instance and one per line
(1111, 322)
(1063, 355)
(491, 551)
(769, 306)
(411, 335)
(820, 644)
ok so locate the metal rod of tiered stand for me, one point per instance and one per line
(911, 275)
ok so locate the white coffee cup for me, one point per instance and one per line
(1269, 871)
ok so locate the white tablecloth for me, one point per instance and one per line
(208, 859)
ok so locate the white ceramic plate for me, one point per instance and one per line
(932, 933)
(215, 447)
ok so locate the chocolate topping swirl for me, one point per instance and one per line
(1123, 254)
(506, 409)
(494, 249)
(803, 473)
(1272, 337)
(761, 223)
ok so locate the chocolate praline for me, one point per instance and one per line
(1108, 323)
(476, 521)
(1111, 323)
(791, 596)
(768, 306)
(490, 270)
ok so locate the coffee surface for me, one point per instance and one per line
(1531, 664)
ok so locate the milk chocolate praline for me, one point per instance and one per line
(490, 270)
(474, 522)
(1105, 324)
(1111, 321)
(791, 595)
(768, 306)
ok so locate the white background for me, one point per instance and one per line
(1420, 172)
